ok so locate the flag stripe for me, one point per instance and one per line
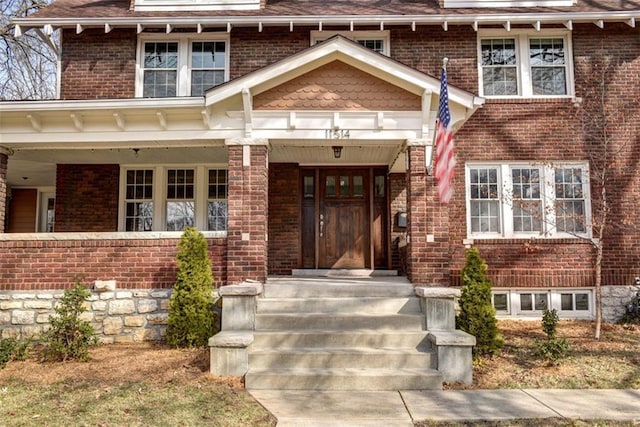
(445, 158)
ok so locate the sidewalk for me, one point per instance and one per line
(311, 408)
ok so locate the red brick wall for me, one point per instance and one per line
(134, 264)
(251, 50)
(96, 65)
(248, 190)
(86, 198)
(550, 130)
(3, 190)
(398, 202)
(284, 218)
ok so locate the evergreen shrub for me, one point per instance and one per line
(477, 315)
(192, 320)
(70, 337)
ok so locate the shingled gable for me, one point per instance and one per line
(339, 48)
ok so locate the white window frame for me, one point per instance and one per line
(505, 197)
(184, 57)
(201, 176)
(523, 65)
(554, 300)
(384, 35)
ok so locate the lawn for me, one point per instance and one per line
(149, 384)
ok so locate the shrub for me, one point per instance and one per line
(12, 350)
(70, 337)
(553, 349)
(477, 315)
(192, 318)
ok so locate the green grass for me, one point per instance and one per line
(128, 404)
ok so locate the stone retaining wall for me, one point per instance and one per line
(127, 315)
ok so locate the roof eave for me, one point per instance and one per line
(228, 22)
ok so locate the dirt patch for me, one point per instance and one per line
(611, 362)
(116, 364)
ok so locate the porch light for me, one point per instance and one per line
(337, 151)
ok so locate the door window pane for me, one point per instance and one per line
(330, 186)
(358, 186)
(344, 186)
(308, 187)
(379, 186)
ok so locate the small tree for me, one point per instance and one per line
(191, 313)
(477, 315)
(70, 337)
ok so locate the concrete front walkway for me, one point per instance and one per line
(313, 408)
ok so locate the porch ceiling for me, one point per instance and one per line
(39, 166)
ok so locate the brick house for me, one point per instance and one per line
(298, 135)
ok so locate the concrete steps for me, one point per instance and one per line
(340, 334)
(343, 379)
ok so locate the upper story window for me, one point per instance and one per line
(192, 5)
(181, 65)
(524, 200)
(378, 41)
(520, 63)
(159, 198)
(506, 3)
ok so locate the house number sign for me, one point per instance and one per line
(336, 134)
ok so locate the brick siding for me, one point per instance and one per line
(248, 189)
(96, 65)
(284, 218)
(86, 198)
(3, 190)
(133, 263)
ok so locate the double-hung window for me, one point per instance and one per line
(162, 198)
(520, 63)
(181, 64)
(378, 41)
(527, 199)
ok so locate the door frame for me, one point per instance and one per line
(308, 260)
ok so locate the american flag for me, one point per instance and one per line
(445, 160)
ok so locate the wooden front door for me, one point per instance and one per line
(344, 219)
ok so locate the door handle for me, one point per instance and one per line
(321, 225)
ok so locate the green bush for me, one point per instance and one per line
(70, 337)
(477, 315)
(192, 320)
(553, 349)
(12, 350)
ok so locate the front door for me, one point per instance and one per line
(343, 219)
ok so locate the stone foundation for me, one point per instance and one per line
(615, 300)
(117, 315)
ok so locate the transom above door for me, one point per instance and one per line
(343, 218)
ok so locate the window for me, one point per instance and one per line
(139, 200)
(169, 199)
(524, 200)
(522, 63)
(567, 302)
(217, 202)
(378, 41)
(181, 65)
(180, 199)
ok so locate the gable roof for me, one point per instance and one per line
(339, 48)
